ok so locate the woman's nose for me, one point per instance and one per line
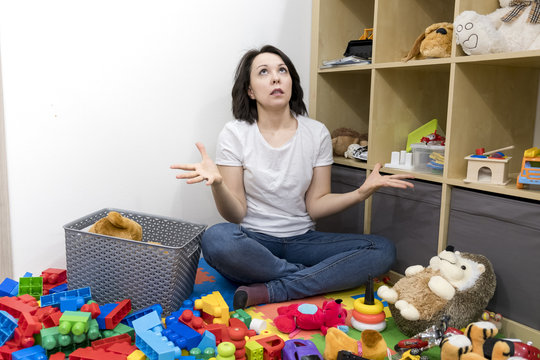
(275, 78)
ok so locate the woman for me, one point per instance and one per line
(271, 181)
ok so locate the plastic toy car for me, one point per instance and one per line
(300, 350)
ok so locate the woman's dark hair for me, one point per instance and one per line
(245, 108)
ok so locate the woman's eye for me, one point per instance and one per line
(283, 70)
(263, 72)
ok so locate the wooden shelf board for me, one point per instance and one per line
(509, 189)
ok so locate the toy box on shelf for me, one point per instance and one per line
(428, 158)
(159, 269)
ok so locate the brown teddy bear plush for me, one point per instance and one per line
(434, 42)
(116, 225)
(343, 137)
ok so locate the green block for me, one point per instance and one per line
(76, 322)
(242, 316)
(32, 286)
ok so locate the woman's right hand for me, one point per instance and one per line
(206, 170)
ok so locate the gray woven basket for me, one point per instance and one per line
(116, 269)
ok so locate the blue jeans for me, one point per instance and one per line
(298, 266)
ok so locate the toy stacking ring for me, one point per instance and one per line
(368, 309)
(369, 318)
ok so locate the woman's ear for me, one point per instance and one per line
(251, 94)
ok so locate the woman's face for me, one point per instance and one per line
(270, 81)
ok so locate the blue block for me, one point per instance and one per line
(71, 303)
(208, 340)
(182, 335)
(153, 345)
(54, 299)
(58, 289)
(128, 320)
(8, 286)
(8, 324)
(105, 310)
(31, 353)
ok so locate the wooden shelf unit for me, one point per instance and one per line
(487, 101)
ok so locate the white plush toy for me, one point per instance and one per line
(447, 273)
(515, 26)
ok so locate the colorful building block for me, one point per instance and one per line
(104, 310)
(8, 286)
(58, 289)
(31, 353)
(8, 324)
(50, 339)
(213, 308)
(29, 324)
(243, 316)
(19, 304)
(128, 319)
(76, 322)
(57, 356)
(32, 286)
(116, 315)
(54, 299)
(88, 353)
(254, 350)
(136, 355)
(181, 335)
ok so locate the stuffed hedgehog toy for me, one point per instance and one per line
(456, 284)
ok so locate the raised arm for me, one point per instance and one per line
(320, 202)
(226, 181)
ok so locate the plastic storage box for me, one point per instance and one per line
(160, 269)
(421, 157)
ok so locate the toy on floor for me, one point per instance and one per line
(530, 168)
(456, 284)
(368, 312)
(310, 317)
(300, 349)
(373, 346)
(479, 343)
(335, 341)
(428, 338)
(494, 318)
(515, 26)
(434, 42)
(114, 224)
(343, 137)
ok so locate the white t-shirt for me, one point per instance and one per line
(276, 179)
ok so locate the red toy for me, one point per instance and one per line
(433, 139)
(310, 317)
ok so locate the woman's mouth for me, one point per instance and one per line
(277, 92)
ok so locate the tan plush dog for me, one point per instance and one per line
(116, 225)
(434, 42)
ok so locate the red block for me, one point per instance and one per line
(6, 351)
(122, 348)
(15, 306)
(52, 320)
(194, 322)
(90, 354)
(108, 342)
(54, 276)
(58, 356)
(119, 312)
(29, 324)
(92, 308)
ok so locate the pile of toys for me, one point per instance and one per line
(41, 319)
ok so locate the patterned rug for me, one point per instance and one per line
(209, 280)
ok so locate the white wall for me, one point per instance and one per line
(100, 97)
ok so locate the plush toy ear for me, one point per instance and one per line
(416, 48)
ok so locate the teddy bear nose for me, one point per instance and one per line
(441, 31)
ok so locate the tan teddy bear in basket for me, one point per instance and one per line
(117, 225)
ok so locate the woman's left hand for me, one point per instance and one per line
(376, 181)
